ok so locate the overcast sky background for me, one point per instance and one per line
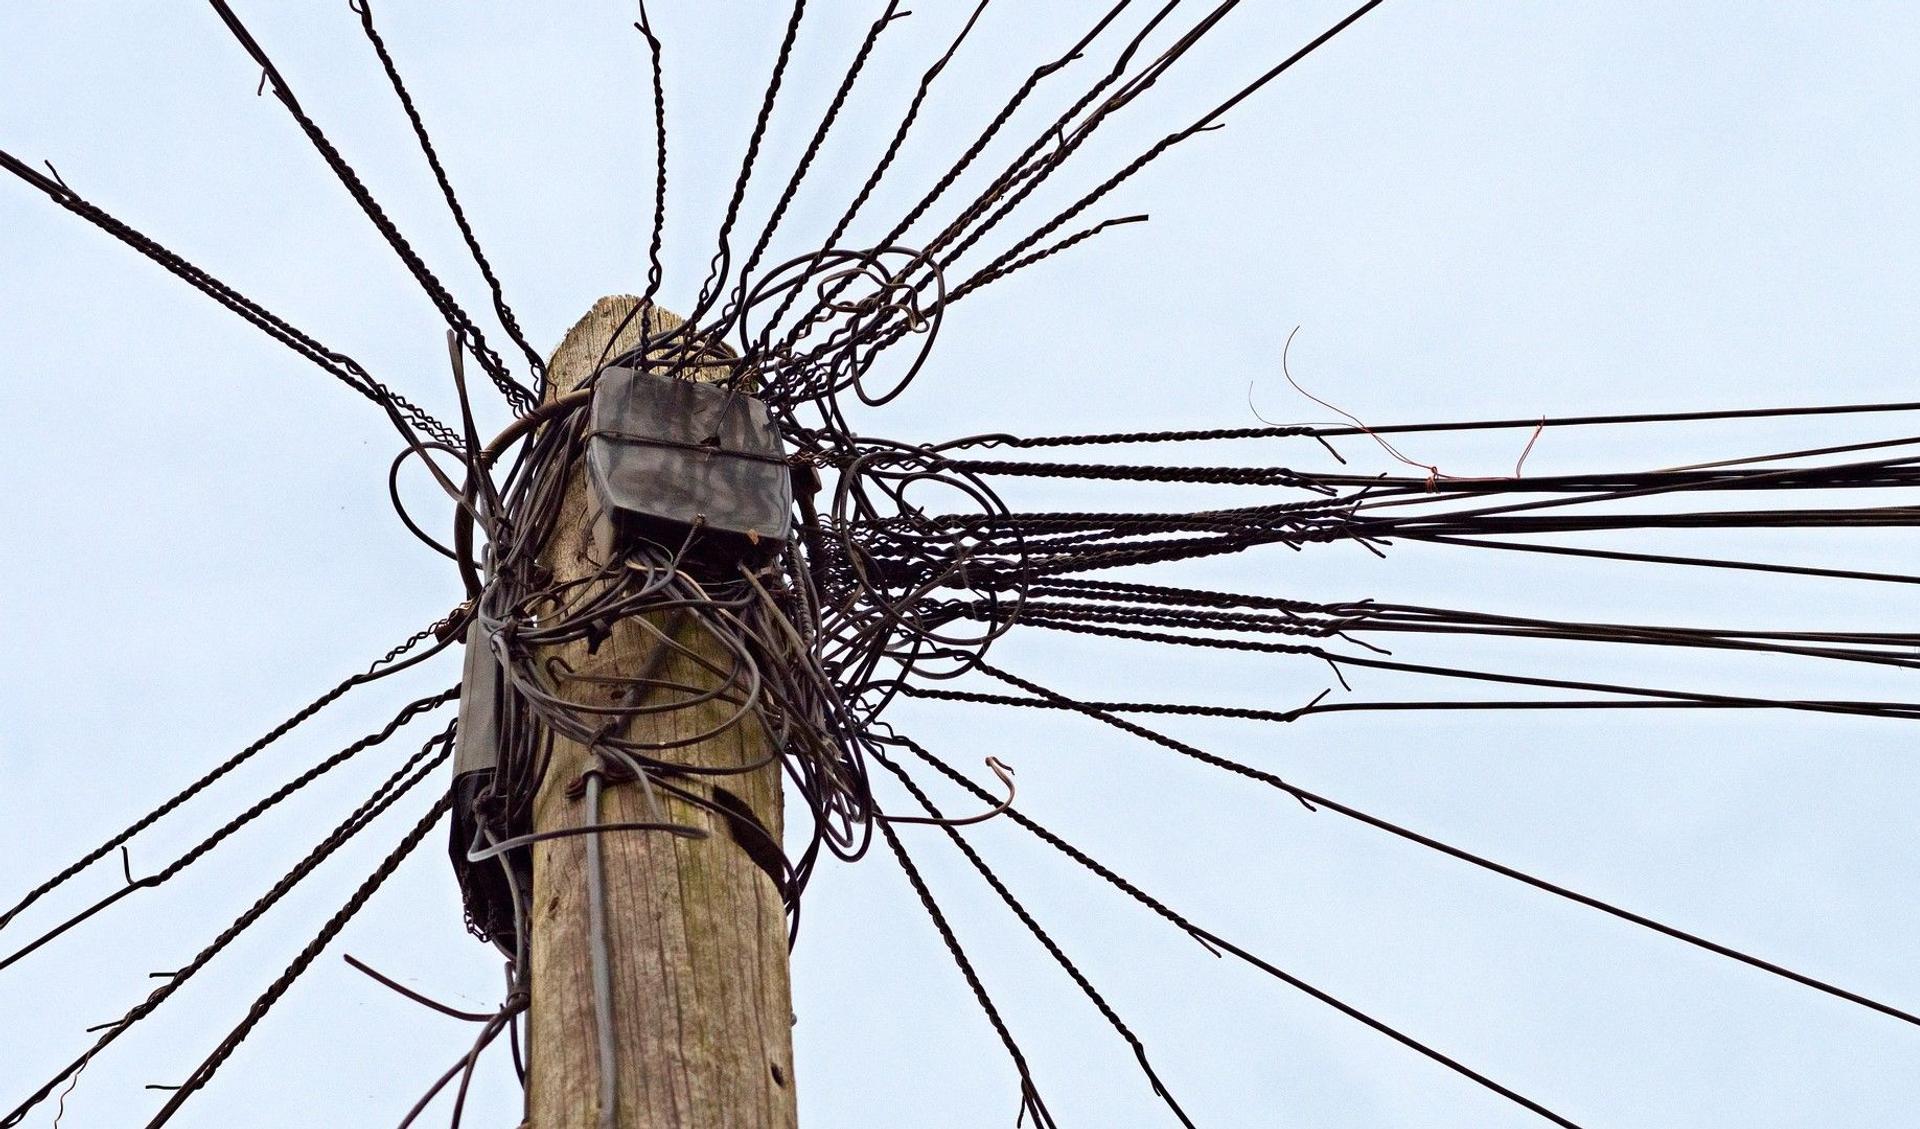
(1492, 209)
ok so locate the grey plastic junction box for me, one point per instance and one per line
(664, 455)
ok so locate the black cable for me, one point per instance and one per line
(235, 761)
(456, 317)
(226, 830)
(1218, 944)
(204, 1072)
(1040, 934)
(385, 796)
(535, 365)
(1315, 800)
(341, 367)
(1030, 1102)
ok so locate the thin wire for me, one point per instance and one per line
(1314, 800)
(1217, 944)
(203, 1073)
(120, 838)
(535, 365)
(436, 291)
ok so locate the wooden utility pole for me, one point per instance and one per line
(702, 1011)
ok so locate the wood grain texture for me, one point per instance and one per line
(702, 1008)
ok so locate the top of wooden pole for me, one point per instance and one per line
(697, 935)
(579, 352)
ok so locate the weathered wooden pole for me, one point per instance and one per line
(697, 940)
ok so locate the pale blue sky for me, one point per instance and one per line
(1471, 209)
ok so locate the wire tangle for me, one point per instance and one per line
(655, 670)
